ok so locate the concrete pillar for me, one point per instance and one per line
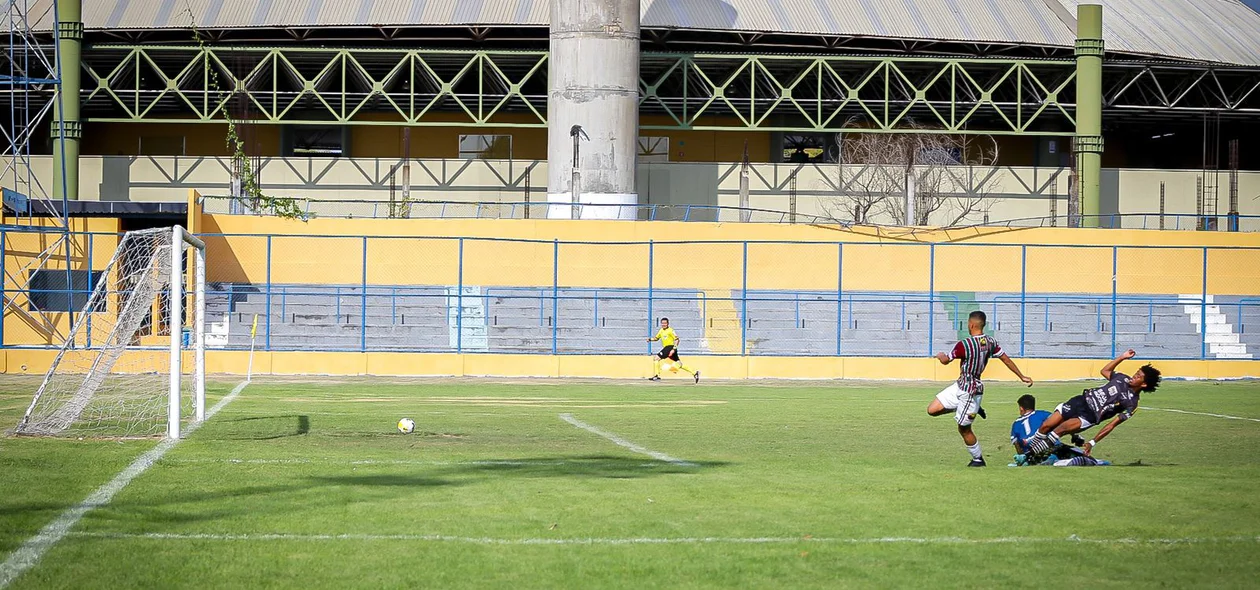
(66, 110)
(1089, 99)
(593, 78)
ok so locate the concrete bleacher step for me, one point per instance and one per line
(521, 319)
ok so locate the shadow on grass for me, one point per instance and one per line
(350, 483)
(594, 466)
(604, 466)
(1139, 463)
(264, 427)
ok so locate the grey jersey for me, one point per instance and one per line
(1114, 398)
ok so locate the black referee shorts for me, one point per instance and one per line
(668, 353)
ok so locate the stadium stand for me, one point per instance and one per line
(791, 323)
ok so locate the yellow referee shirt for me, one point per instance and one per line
(667, 336)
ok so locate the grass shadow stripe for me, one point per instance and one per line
(26, 556)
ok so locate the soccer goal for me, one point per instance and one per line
(121, 370)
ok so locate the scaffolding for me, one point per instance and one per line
(30, 83)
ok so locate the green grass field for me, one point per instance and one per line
(307, 484)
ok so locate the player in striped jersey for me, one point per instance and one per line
(963, 397)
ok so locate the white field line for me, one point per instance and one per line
(666, 540)
(1225, 416)
(625, 443)
(34, 548)
(508, 462)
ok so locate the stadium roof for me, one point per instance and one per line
(1220, 31)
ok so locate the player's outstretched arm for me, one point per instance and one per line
(1010, 364)
(1089, 446)
(957, 352)
(1110, 367)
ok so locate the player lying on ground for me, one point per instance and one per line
(669, 350)
(1118, 398)
(963, 397)
(1030, 419)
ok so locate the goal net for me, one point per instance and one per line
(133, 363)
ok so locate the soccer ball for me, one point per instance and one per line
(671, 367)
(406, 426)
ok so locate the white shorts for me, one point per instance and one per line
(965, 405)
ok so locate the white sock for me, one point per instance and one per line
(975, 451)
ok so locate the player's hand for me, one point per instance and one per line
(1027, 380)
(1088, 448)
(944, 358)
(1128, 354)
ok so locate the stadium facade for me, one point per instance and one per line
(1164, 86)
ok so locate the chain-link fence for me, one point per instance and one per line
(477, 295)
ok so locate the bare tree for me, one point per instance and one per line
(952, 177)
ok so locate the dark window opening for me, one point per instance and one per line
(317, 142)
(49, 292)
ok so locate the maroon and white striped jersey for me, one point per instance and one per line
(974, 352)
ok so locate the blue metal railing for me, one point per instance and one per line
(1114, 314)
(1097, 301)
(797, 305)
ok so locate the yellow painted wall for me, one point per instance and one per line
(665, 231)
(443, 142)
(780, 257)
(200, 139)
(21, 254)
(386, 141)
(621, 367)
(965, 260)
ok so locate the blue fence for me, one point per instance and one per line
(902, 299)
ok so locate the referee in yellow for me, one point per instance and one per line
(669, 350)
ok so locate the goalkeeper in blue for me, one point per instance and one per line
(1026, 426)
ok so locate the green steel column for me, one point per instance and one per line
(70, 37)
(1089, 142)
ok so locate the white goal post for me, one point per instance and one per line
(113, 376)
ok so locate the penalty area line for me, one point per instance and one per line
(625, 443)
(26, 556)
(1225, 416)
(662, 540)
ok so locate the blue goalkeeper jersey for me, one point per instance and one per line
(1026, 426)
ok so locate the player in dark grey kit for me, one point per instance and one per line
(1117, 399)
